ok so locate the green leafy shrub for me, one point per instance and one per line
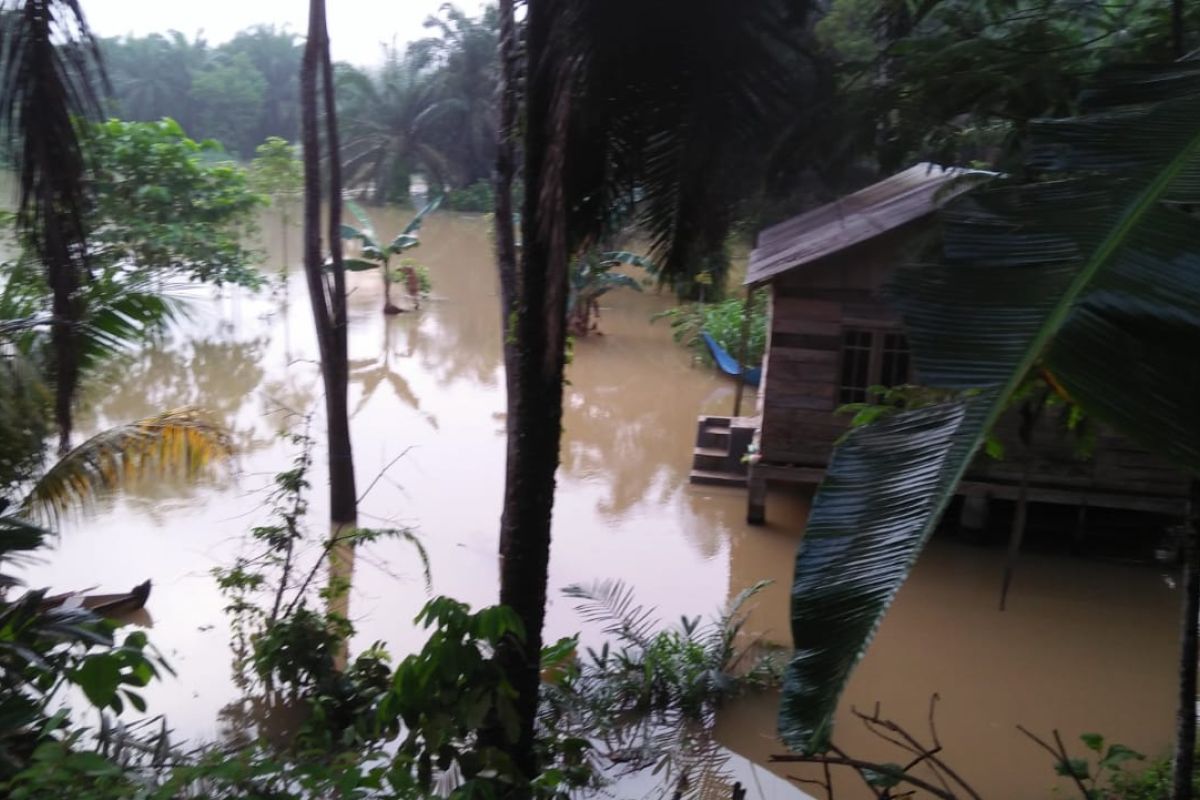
(477, 198)
(723, 321)
(1151, 783)
(158, 204)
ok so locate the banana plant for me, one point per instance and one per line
(1091, 268)
(374, 255)
(591, 278)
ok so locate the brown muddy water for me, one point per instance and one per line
(1083, 646)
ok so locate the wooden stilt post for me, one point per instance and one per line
(1080, 533)
(1017, 534)
(756, 509)
(741, 383)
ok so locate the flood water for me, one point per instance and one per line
(1083, 646)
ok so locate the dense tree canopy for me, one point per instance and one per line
(428, 108)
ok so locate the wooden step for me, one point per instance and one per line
(709, 477)
(714, 422)
(710, 458)
(713, 438)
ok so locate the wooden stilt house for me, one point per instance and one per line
(833, 335)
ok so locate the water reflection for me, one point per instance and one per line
(370, 373)
(1084, 646)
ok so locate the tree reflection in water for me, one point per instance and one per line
(371, 373)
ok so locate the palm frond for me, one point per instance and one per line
(50, 68)
(1094, 270)
(611, 603)
(671, 119)
(121, 311)
(18, 539)
(181, 442)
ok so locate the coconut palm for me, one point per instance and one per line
(152, 75)
(464, 56)
(670, 102)
(50, 70)
(1091, 270)
(276, 55)
(388, 122)
(376, 256)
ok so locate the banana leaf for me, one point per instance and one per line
(365, 230)
(415, 225)
(1092, 267)
(614, 257)
(404, 241)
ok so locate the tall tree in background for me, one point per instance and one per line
(463, 58)
(49, 69)
(327, 285)
(673, 102)
(276, 55)
(389, 116)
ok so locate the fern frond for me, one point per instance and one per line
(611, 603)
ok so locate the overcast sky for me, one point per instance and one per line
(356, 27)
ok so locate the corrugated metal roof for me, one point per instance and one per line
(869, 212)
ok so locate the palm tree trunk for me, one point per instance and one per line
(1185, 714)
(328, 301)
(67, 311)
(535, 399)
(506, 246)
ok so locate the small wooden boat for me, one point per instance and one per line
(106, 605)
(728, 364)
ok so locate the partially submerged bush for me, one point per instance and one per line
(723, 321)
(478, 198)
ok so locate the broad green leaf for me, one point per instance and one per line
(366, 230)
(1092, 741)
(1073, 768)
(1098, 276)
(1117, 755)
(98, 677)
(405, 241)
(429, 208)
(359, 264)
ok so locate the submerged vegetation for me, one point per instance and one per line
(375, 255)
(726, 322)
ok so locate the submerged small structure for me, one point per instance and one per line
(833, 334)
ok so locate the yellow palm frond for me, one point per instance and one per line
(181, 443)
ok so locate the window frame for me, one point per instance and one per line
(875, 358)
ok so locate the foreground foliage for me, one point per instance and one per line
(1071, 271)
